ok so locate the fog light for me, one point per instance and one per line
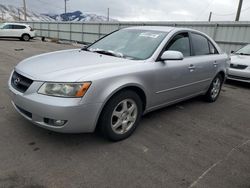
(54, 122)
(59, 122)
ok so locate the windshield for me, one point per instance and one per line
(1, 26)
(244, 51)
(130, 43)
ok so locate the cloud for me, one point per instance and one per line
(145, 10)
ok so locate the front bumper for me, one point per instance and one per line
(37, 108)
(239, 75)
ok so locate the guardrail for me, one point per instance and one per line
(229, 35)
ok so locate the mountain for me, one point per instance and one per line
(12, 13)
(77, 16)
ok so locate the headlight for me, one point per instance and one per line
(64, 89)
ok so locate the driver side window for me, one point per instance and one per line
(7, 27)
(180, 43)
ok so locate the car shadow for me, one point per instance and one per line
(15, 39)
(235, 83)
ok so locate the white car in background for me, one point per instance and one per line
(16, 30)
(240, 65)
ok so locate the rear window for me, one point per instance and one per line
(213, 50)
(11, 26)
(19, 27)
(200, 45)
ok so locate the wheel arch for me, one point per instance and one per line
(133, 87)
(25, 34)
(223, 74)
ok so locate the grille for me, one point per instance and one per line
(238, 77)
(20, 83)
(235, 66)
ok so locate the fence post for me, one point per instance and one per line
(99, 30)
(215, 31)
(49, 29)
(58, 32)
(70, 30)
(41, 32)
(83, 32)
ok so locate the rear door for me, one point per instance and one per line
(204, 59)
(18, 30)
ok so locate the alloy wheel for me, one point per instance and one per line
(124, 116)
(216, 88)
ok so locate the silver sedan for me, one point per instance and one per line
(240, 65)
(110, 84)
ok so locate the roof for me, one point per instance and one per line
(153, 28)
(162, 28)
(16, 23)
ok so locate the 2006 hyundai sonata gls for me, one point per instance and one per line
(111, 83)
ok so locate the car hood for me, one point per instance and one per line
(240, 59)
(69, 65)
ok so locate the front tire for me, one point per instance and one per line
(214, 89)
(121, 115)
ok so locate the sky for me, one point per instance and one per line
(145, 10)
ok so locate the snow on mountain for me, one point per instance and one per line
(12, 13)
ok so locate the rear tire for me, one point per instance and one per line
(214, 89)
(25, 37)
(121, 115)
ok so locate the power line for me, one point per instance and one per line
(202, 12)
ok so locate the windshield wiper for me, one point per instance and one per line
(85, 48)
(242, 54)
(107, 52)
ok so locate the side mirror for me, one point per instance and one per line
(172, 55)
(232, 52)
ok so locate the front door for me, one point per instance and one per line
(7, 31)
(175, 78)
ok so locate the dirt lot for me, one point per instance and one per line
(191, 144)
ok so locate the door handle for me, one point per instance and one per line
(215, 63)
(191, 68)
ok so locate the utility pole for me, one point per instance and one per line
(210, 16)
(24, 8)
(65, 6)
(108, 15)
(239, 11)
(19, 16)
(2, 15)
